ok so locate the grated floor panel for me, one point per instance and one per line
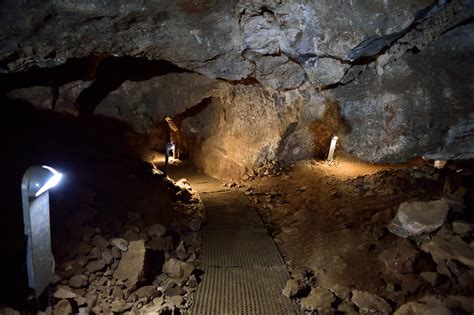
(232, 217)
(244, 273)
(232, 197)
(239, 248)
(249, 291)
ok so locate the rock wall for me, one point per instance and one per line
(392, 79)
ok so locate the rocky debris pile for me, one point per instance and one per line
(316, 299)
(267, 168)
(181, 190)
(145, 269)
(436, 257)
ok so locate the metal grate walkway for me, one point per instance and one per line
(244, 272)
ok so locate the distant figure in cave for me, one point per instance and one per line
(172, 140)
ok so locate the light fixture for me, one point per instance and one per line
(332, 148)
(36, 182)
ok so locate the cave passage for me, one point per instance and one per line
(236, 157)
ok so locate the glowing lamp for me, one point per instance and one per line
(36, 182)
(332, 148)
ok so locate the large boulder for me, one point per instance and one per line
(417, 217)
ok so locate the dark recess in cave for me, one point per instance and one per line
(108, 72)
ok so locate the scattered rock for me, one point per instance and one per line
(318, 299)
(347, 308)
(120, 306)
(430, 277)
(370, 303)
(294, 288)
(107, 257)
(461, 227)
(77, 281)
(175, 301)
(427, 305)
(157, 243)
(94, 253)
(120, 243)
(176, 290)
(64, 293)
(100, 242)
(177, 269)
(63, 307)
(441, 249)
(399, 259)
(156, 230)
(131, 266)
(195, 224)
(95, 265)
(148, 291)
(415, 218)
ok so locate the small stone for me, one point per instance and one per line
(461, 227)
(175, 268)
(426, 305)
(94, 253)
(294, 288)
(181, 251)
(107, 257)
(64, 293)
(192, 282)
(174, 291)
(410, 284)
(77, 281)
(370, 303)
(156, 230)
(347, 308)
(80, 301)
(441, 250)
(195, 224)
(318, 299)
(120, 243)
(175, 301)
(131, 235)
(430, 277)
(120, 306)
(116, 252)
(100, 242)
(157, 243)
(62, 308)
(148, 291)
(95, 265)
(159, 300)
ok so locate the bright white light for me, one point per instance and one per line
(332, 148)
(53, 181)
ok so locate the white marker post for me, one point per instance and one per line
(332, 148)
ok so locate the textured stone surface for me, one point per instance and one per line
(368, 302)
(288, 58)
(131, 267)
(417, 217)
(441, 249)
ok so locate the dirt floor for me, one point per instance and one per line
(331, 218)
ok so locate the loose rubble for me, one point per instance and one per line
(144, 269)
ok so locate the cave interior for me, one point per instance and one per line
(239, 157)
